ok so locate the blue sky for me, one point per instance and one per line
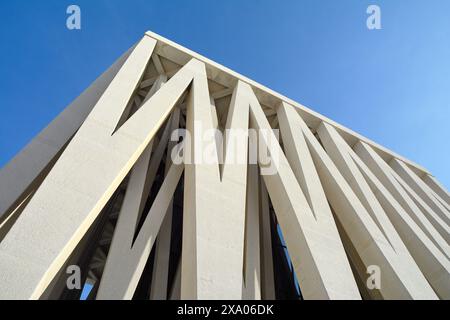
(391, 85)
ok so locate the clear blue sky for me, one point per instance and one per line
(391, 85)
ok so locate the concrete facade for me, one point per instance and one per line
(337, 217)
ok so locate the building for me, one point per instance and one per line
(321, 212)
